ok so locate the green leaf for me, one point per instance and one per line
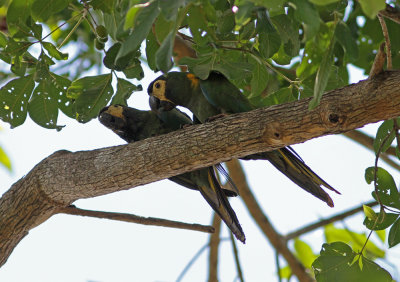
(143, 23)
(151, 49)
(14, 97)
(43, 9)
(335, 264)
(61, 85)
(372, 7)
(369, 213)
(323, 2)
(4, 160)
(386, 186)
(304, 253)
(164, 53)
(17, 15)
(381, 235)
(259, 79)
(130, 17)
(269, 40)
(322, 77)
(111, 55)
(162, 28)
(134, 70)
(346, 39)
(383, 131)
(42, 106)
(273, 4)
(289, 34)
(307, 14)
(18, 67)
(201, 66)
(54, 52)
(91, 94)
(356, 240)
(105, 6)
(388, 220)
(394, 234)
(124, 90)
(280, 96)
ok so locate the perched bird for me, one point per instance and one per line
(216, 95)
(133, 125)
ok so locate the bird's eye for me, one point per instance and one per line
(157, 85)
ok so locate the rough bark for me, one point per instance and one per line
(65, 177)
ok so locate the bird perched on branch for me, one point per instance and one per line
(134, 125)
(215, 96)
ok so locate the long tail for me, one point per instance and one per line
(215, 197)
(287, 161)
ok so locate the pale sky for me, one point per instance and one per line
(72, 248)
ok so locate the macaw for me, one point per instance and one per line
(216, 95)
(134, 125)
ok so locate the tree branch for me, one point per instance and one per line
(136, 219)
(323, 222)
(63, 177)
(276, 240)
(368, 142)
(214, 250)
(391, 13)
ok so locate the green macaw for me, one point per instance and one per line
(215, 96)
(133, 125)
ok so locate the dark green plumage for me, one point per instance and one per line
(135, 125)
(217, 95)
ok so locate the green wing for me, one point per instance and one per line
(222, 94)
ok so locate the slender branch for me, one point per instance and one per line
(323, 222)
(277, 241)
(368, 142)
(236, 256)
(191, 262)
(214, 246)
(137, 219)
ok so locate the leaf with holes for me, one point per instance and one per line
(42, 106)
(61, 84)
(14, 98)
(91, 94)
(387, 191)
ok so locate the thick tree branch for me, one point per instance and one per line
(63, 177)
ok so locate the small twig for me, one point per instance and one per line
(214, 246)
(323, 222)
(387, 41)
(73, 29)
(379, 62)
(276, 240)
(136, 219)
(236, 255)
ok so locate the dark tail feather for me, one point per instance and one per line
(290, 164)
(219, 202)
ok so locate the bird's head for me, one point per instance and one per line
(159, 94)
(113, 118)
